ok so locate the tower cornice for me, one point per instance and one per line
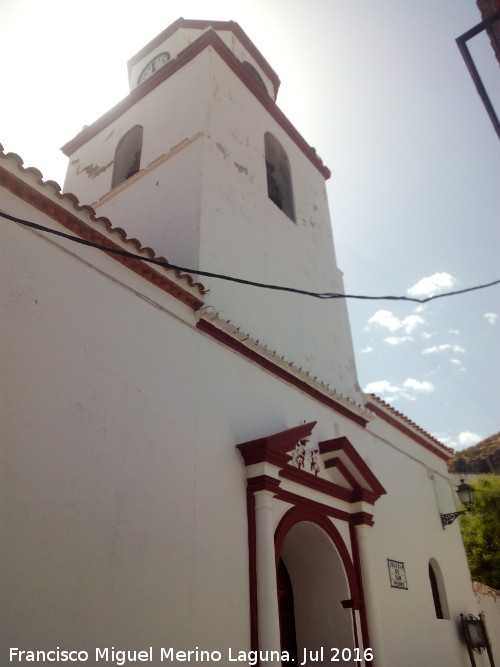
(208, 39)
(198, 24)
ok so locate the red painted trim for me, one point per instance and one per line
(252, 571)
(273, 448)
(362, 518)
(263, 483)
(343, 444)
(304, 510)
(344, 471)
(195, 24)
(77, 226)
(278, 371)
(317, 483)
(357, 568)
(207, 39)
(298, 514)
(313, 505)
(396, 423)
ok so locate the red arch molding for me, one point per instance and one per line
(298, 514)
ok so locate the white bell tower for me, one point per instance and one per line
(199, 163)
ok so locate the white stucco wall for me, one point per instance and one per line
(125, 519)
(201, 201)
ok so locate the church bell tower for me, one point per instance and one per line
(199, 163)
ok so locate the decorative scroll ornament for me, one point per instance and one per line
(305, 460)
(299, 454)
(313, 461)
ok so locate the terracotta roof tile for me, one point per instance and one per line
(113, 235)
(379, 402)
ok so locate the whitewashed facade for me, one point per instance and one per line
(167, 444)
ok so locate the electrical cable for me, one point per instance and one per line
(242, 281)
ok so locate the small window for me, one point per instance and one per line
(127, 156)
(438, 591)
(279, 177)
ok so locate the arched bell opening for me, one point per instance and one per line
(317, 585)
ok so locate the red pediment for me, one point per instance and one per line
(340, 454)
(354, 481)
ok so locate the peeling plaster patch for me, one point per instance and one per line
(75, 161)
(241, 168)
(93, 170)
(222, 149)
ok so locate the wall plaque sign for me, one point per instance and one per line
(397, 574)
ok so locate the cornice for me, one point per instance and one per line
(403, 424)
(208, 39)
(362, 485)
(232, 337)
(199, 24)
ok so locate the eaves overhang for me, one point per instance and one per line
(82, 221)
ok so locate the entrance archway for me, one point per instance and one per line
(319, 584)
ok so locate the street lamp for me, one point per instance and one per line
(466, 494)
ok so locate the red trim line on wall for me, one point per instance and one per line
(280, 372)
(77, 226)
(396, 423)
(317, 483)
(343, 445)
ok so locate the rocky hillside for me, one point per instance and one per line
(479, 459)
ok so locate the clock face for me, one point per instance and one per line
(154, 65)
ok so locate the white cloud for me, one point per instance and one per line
(457, 362)
(457, 349)
(431, 285)
(456, 332)
(467, 439)
(444, 438)
(424, 387)
(426, 335)
(367, 349)
(384, 318)
(381, 387)
(395, 340)
(408, 390)
(491, 317)
(411, 322)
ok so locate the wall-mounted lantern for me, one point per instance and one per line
(476, 637)
(466, 494)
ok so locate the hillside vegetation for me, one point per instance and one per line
(478, 459)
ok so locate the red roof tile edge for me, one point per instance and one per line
(83, 229)
(407, 426)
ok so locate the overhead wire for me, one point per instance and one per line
(242, 281)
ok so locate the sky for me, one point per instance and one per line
(382, 92)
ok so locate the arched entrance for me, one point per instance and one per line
(317, 584)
